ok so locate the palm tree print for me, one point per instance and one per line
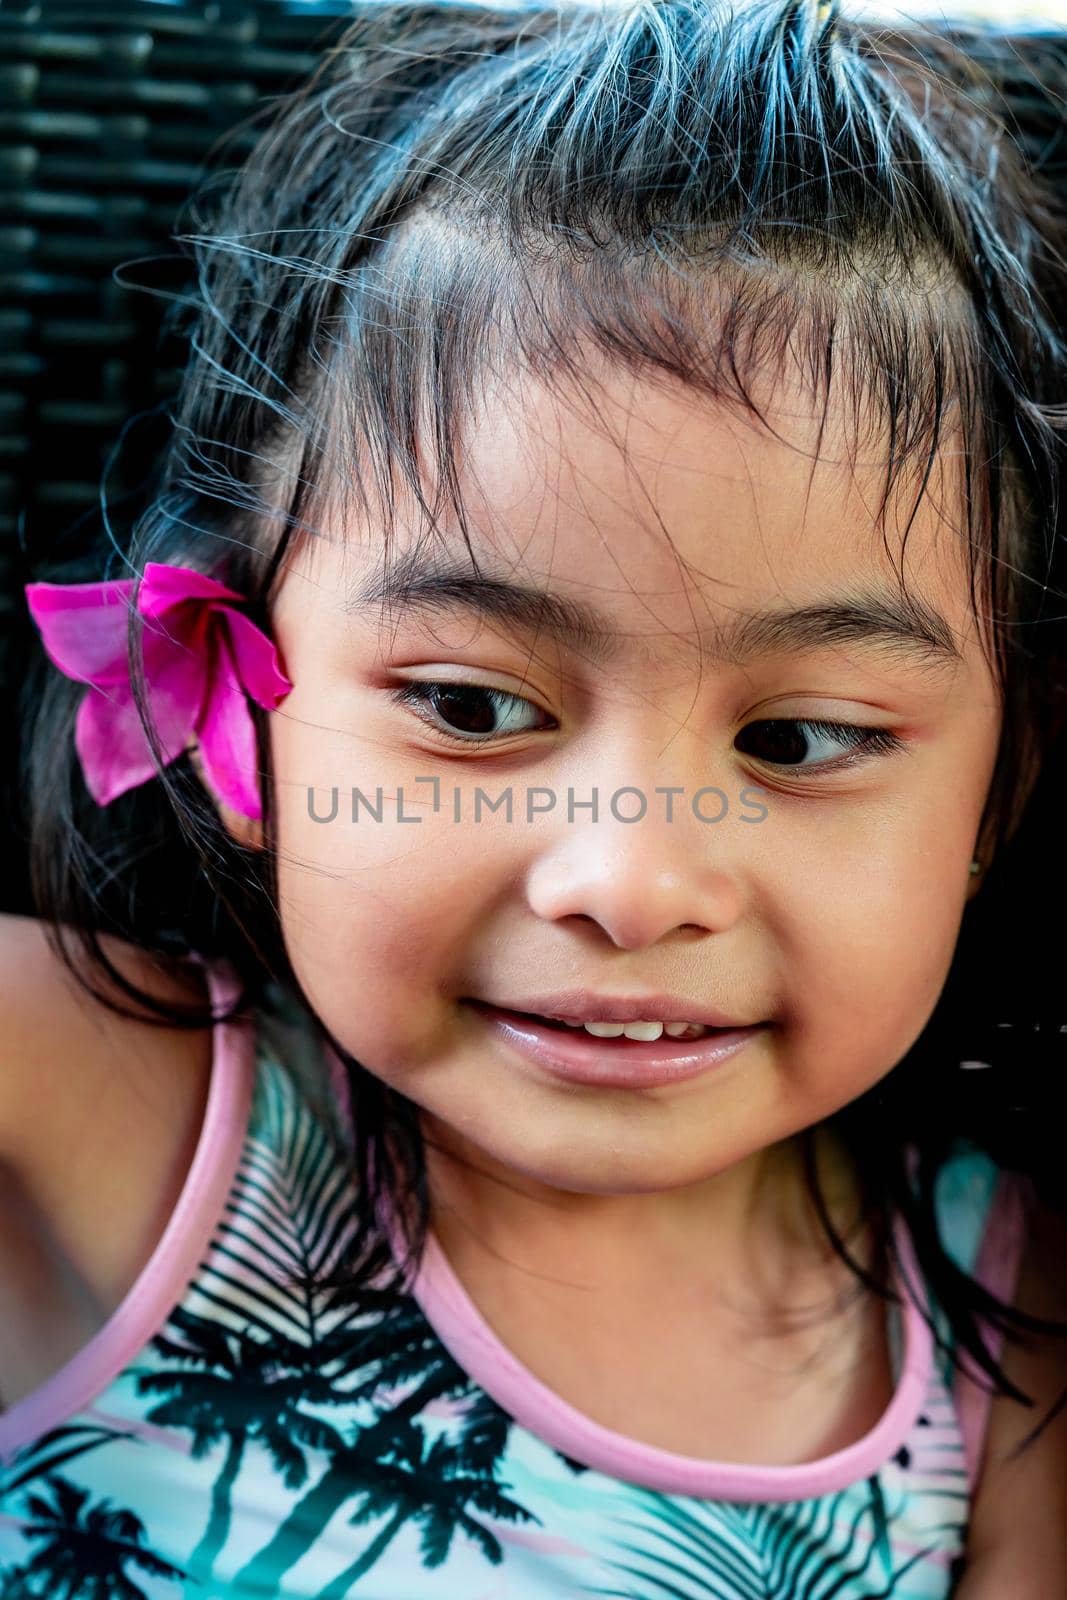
(438, 1514)
(87, 1547)
(52, 1450)
(231, 1380)
(390, 1468)
(253, 1390)
(800, 1550)
(14, 1585)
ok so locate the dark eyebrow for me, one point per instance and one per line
(876, 616)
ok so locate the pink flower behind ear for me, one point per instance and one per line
(201, 659)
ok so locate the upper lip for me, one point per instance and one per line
(580, 1005)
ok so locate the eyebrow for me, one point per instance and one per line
(878, 616)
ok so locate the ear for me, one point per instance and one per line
(245, 831)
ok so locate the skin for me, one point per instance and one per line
(835, 918)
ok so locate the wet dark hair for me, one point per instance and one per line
(701, 193)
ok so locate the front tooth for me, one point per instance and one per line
(643, 1030)
(603, 1030)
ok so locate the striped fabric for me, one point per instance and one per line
(232, 1434)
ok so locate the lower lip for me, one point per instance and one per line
(578, 1057)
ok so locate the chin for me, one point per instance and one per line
(605, 1170)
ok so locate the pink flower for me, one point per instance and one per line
(201, 658)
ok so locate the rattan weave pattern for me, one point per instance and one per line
(109, 114)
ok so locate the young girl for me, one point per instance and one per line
(490, 1107)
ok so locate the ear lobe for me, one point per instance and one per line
(245, 831)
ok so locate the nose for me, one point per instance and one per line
(638, 881)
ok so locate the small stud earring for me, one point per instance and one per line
(976, 867)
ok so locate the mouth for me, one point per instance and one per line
(570, 1052)
(672, 1031)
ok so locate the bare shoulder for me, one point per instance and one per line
(99, 1119)
(65, 1058)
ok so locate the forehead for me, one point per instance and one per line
(669, 513)
(640, 460)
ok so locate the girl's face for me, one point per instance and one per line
(832, 919)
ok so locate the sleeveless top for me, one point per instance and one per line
(232, 1434)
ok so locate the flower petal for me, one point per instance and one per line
(227, 734)
(258, 664)
(163, 587)
(176, 678)
(112, 744)
(83, 627)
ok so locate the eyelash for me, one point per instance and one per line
(861, 741)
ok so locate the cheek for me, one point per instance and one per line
(869, 944)
(376, 915)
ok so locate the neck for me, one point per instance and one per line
(753, 1227)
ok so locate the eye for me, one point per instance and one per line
(786, 741)
(475, 714)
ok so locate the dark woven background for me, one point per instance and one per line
(108, 115)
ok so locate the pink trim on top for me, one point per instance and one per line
(173, 1263)
(997, 1269)
(466, 1335)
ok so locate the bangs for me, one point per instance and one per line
(442, 332)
